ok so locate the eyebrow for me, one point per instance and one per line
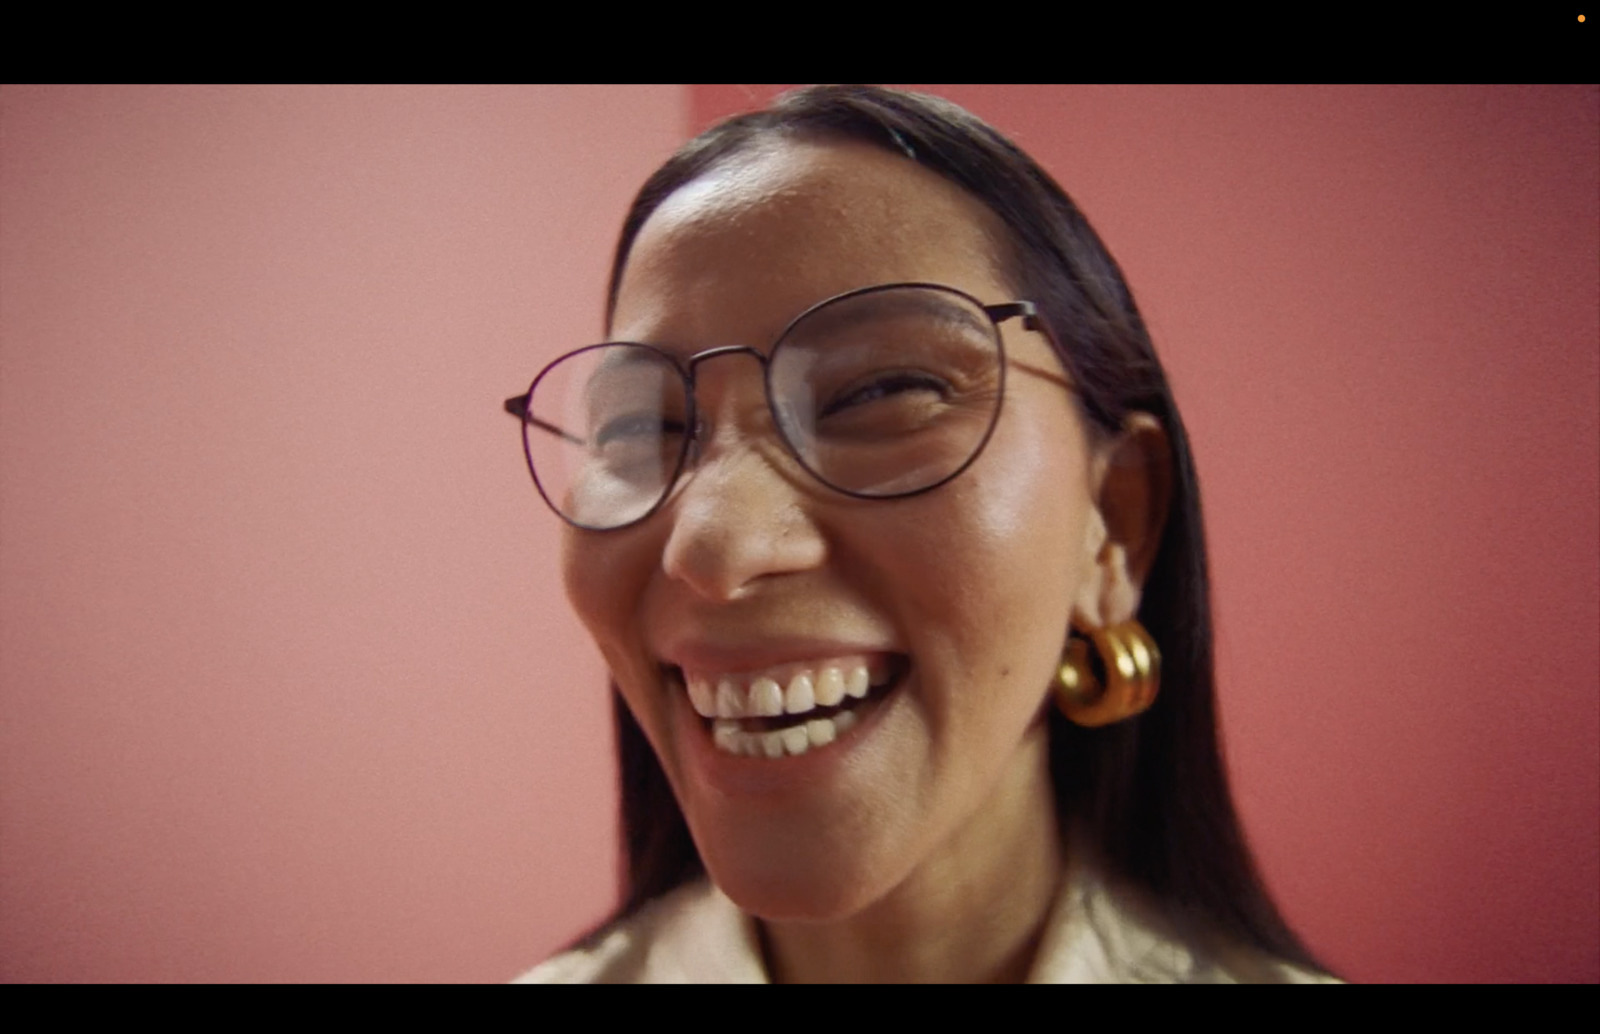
(628, 357)
(887, 304)
(679, 352)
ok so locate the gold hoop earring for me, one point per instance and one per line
(1132, 664)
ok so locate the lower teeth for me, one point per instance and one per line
(792, 741)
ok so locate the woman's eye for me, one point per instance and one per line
(637, 427)
(887, 386)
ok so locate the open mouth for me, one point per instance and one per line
(788, 711)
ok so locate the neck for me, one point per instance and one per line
(972, 912)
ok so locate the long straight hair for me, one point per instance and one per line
(1151, 794)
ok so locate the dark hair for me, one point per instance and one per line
(1151, 793)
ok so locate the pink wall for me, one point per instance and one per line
(1381, 312)
(290, 689)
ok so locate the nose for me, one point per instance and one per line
(737, 520)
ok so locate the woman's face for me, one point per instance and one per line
(956, 602)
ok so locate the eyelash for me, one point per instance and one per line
(631, 425)
(892, 384)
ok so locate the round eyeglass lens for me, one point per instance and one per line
(606, 433)
(888, 392)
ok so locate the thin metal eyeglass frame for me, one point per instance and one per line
(997, 314)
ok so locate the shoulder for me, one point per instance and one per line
(692, 935)
(1101, 931)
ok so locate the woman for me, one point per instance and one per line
(887, 527)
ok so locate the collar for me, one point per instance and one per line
(1098, 932)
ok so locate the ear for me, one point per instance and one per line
(1131, 483)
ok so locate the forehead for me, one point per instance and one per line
(734, 255)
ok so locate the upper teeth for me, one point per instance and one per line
(762, 696)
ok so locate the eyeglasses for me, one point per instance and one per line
(879, 393)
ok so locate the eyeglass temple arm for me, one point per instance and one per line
(1030, 321)
(1011, 310)
(518, 407)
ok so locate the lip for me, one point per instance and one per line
(754, 655)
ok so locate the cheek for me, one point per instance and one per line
(999, 551)
(1026, 498)
(576, 575)
(1023, 492)
(602, 578)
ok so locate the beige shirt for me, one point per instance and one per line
(1096, 935)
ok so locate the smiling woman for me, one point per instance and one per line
(884, 520)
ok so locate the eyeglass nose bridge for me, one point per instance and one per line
(695, 360)
(691, 367)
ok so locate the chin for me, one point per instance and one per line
(775, 898)
(790, 882)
